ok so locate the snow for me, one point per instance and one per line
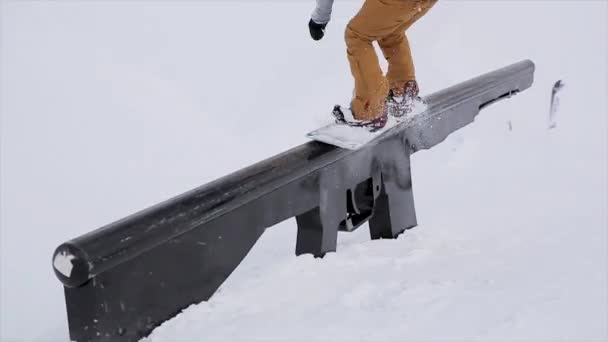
(63, 263)
(109, 107)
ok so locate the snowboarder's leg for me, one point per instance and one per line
(378, 20)
(375, 20)
(401, 72)
(371, 86)
(396, 48)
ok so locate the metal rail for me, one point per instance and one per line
(126, 278)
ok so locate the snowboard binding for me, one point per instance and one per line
(345, 116)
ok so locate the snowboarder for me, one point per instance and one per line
(376, 95)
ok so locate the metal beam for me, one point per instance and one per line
(126, 278)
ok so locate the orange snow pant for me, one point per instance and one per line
(384, 21)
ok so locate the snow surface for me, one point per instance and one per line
(109, 107)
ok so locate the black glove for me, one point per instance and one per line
(317, 31)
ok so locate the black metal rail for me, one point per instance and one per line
(126, 278)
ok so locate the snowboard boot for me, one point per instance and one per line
(344, 115)
(402, 98)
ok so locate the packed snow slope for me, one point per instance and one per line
(109, 107)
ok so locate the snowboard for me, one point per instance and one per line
(352, 138)
(345, 136)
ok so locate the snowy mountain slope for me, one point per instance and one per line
(109, 107)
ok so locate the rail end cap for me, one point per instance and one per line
(71, 265)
